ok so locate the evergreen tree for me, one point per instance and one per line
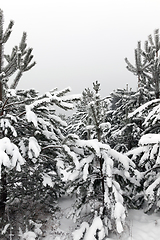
(89, 120)
(147, 64)
(18, 62)
(30, 139)
(146, 157)
(148, 113)
(124, 133)
(98, 175)
(30, 146)
(101, 179)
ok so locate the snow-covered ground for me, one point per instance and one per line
(140, 226)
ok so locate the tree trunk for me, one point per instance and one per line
(157, 80)
(101, 163)
(99, 159)
(157, 85)
(1, 51)
(3, 195)
(157, 95)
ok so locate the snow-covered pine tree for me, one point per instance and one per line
(149, 115)
(146, 155)
(89, 120)
(30, 122)
(16, 63)
(147, 159)
(97, 175)
(147, 66)
(123, 133)
(78, 122)
(30, 138)
(140, 68)
(38, 133)
(100, 179)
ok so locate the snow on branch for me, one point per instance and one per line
(72, 155)
(92, 144)
(138, 112)
(119, 214)
(60, 93)
(72, 97)
(5, 125)
(57, 98)
(126, 162)
(34, 148)
(96, 228)
(153, 116)
(149, 139)
(150, 190)
(31, 116)
(47, 180)
(78, 234)
(10, 156)
(58, 120)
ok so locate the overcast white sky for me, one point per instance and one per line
(76, 42)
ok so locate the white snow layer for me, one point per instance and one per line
(119, 214)
(100, 150)
(31, 116)
(34, 148)
(72, 155)
(58, 120)
(78, 234)
(47, 180)
(29, 236)
(5, 124)
(72, 97)
(58, 99)
(150, 190)
(140, 109)
(150, 138)
(10, 155)
(92, 144)
(97, 224)
(139, 226)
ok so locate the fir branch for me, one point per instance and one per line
(23, 44)
(14, 52)
(51, 146)
(19, 103)
(150, 40)
(8, 32)
(1, 25)
(30, 66)
(4, 105)
(139, 54)
(130, 67)
(152, 169)
(10, 69)
(21, 114)
(16, 80)
(7, 57)
(156, 39)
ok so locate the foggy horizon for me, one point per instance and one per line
(76, 43)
